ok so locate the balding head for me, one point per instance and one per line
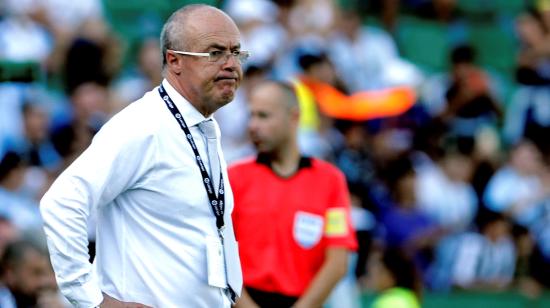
(281, 92)
(189, 38)
(178, 31)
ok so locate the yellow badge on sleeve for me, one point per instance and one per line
(336, 224)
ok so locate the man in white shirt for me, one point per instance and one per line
(157, 181)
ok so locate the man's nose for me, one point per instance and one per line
(252, 124)
(230, 61)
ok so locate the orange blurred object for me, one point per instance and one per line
(360, 106)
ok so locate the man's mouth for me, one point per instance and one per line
(226, 78)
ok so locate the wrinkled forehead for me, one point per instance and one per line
(213, 29)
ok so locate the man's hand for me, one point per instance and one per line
(109, 302)
(245, 301)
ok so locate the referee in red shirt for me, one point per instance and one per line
(292, 213)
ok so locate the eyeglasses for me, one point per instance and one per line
(217, 55)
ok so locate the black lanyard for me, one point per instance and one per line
(217, 202)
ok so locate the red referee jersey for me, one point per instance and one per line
(284, 225)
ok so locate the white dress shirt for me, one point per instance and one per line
(153, 213)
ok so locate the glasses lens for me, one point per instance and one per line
(216, 55)
(243, 56)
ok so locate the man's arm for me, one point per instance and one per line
(116, 159)
(333, 269)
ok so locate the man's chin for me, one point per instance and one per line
(224, 101)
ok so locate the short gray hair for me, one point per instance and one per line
(173, 34)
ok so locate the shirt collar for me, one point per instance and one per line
(264, 159)
(190, 114)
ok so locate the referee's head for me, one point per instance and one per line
(274, 117)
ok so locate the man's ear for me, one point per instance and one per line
(9, 276)
(295, 114)
(174, 63)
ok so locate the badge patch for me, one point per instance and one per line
(308, 229)
(336, 222)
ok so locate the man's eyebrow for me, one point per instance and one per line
(222, 47)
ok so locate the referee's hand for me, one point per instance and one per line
(109, 302)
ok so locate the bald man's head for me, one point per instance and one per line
(283, 92)
(177, 33)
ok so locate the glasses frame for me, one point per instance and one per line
(242, 55)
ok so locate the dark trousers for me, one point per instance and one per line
(271, 300)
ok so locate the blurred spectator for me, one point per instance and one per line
(353, 158)
(317, 137)
(519, 186)
(27, 278)
(312, 18)
(64, 22)
(8, 233)
(486, 260)
(260, 31)
(144, 77)
(472, 260)
(470, 103)
(84, 64)
(21, 38)
(405, 226)
(11, 119)
(393, 275)
(90, 109)
(92, 56)
(466, 92)
(367, 57)
(526, 114)
(448, 176)
(36, 148)
(520, 190)
(18, 209)
(534, 57)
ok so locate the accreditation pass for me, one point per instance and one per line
(215, 262)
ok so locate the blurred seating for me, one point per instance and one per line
(27, 71)
(424, 42)
(496, 47)
(478, 8)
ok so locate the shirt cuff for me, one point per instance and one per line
(86, 295)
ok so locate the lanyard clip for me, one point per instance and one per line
(220, 233)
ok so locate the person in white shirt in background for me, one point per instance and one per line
(487, 259)
(161, 240)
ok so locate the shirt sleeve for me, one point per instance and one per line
(338, 229)
(115, 161)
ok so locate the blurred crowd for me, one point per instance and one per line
(460, 182)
